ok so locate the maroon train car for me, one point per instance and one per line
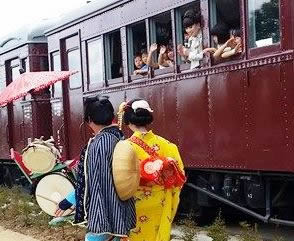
(27, 118)
(233, 121)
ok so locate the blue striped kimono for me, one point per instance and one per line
(96, 198)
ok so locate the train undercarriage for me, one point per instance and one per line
(264, 196)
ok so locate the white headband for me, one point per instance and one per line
(141, 104)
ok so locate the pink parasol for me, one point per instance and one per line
(31, 81)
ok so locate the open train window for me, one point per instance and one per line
(74, 63)
(113, 58)
(161, 34)
(137, 50)
(225, 30)
(56, 66)
(264, 23)
(181, 36)
(95, 62)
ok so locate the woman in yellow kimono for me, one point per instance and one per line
(156, 201)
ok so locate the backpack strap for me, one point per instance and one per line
(144, 146)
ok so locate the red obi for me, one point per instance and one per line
(159, 170)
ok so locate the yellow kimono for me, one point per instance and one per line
(155, 206)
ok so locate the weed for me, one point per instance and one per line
(249, 233)
(217, 231)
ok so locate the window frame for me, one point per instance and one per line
(107, 59)
(79, 73)
(259, 51)
(130, 50)
(179, 30)
(96, 85)
(152, 39)
(243, 54)
(52, 55)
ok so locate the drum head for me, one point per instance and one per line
(50, 190)
(39, 159)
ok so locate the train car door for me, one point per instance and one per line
(15, 110)
(73, 96)
(4, 140)
(57, 106)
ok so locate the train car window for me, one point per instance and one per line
(181, 35)
(113, 57)
(14, 72)
(25, 65)
(161, 40)
(56, 65)
(2, 77)
(26, 68)
(264, 23)
(95, 62)
(74, 63)
(137, 49)
(225, 31)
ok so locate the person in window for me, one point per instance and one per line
(150, 62)
(140, 67)
(165, 57)
(220, 36)
(194, 50)
(158, 195)
(145, 57)
(233, 45)
(226, 44)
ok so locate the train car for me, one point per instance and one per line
(24, 119)
(233, 120)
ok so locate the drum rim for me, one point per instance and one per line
(44, 170)
(48, 174)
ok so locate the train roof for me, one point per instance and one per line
(30, 33)
(85, 11)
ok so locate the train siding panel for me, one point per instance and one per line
(266, 147)
(16, 125)
(141, 92)
(73, 126)
(4, 145)
(193, 125)
(287, 96)
(58, 124)
(164, 102)
(161, 103)
(41, 127)
(125, 15)
(116, 99)
(27, 127)
(226, 111)
(128, 11)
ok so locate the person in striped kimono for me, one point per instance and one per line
(96, 201)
